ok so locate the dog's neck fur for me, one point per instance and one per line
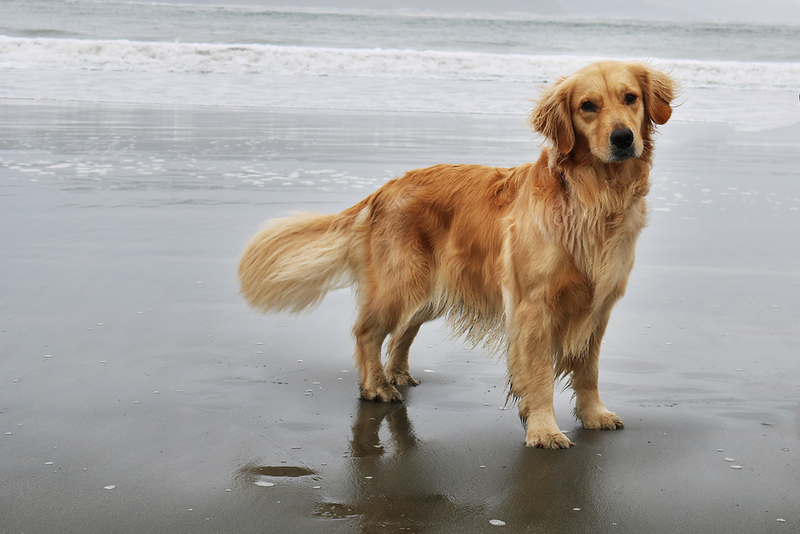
(603, 202)
(595, 185)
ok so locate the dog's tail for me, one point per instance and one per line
(292, 263)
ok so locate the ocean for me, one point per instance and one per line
(142, 145)
(744, 74)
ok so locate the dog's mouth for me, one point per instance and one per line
(619, 155)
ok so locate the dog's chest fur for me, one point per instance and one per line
(577, 251)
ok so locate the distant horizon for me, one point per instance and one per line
(786, 12)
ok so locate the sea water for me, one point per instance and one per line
(745, 74)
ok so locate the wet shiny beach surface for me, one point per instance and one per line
(139, 394)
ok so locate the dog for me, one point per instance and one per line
(531, 258)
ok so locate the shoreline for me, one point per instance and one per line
(745, 109)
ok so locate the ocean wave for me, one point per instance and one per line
(124, 55)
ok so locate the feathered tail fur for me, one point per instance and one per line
(292, 263)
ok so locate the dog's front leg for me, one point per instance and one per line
(589, 407)
(532, 376)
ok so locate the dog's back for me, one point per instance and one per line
(429, 240)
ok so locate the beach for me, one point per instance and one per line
(138, 393)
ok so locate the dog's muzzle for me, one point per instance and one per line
(622, 145)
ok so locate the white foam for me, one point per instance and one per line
(124, 55)
(751, 96)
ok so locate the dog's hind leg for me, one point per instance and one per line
(373, 382)
(373, 325)
(397, 364)
(392, 292)
(381, 309)
(387, 308)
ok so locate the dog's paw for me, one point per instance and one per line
(382, 393)
(402, 378)
(601, 421)
(548, 440)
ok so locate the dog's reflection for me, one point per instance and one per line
(395, 481)
(366, 442)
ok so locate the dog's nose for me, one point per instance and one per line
(622, 138)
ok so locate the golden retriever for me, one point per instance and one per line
(533, 256)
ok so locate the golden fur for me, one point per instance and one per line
(535, 255)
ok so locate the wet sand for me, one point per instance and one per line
(139, 394)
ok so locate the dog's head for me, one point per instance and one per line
(607, 110)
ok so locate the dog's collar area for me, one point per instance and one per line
(563, 177)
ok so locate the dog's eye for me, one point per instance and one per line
(630, 98)
(588, 107)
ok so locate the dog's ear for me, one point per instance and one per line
(552, 117)
(659, 91)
